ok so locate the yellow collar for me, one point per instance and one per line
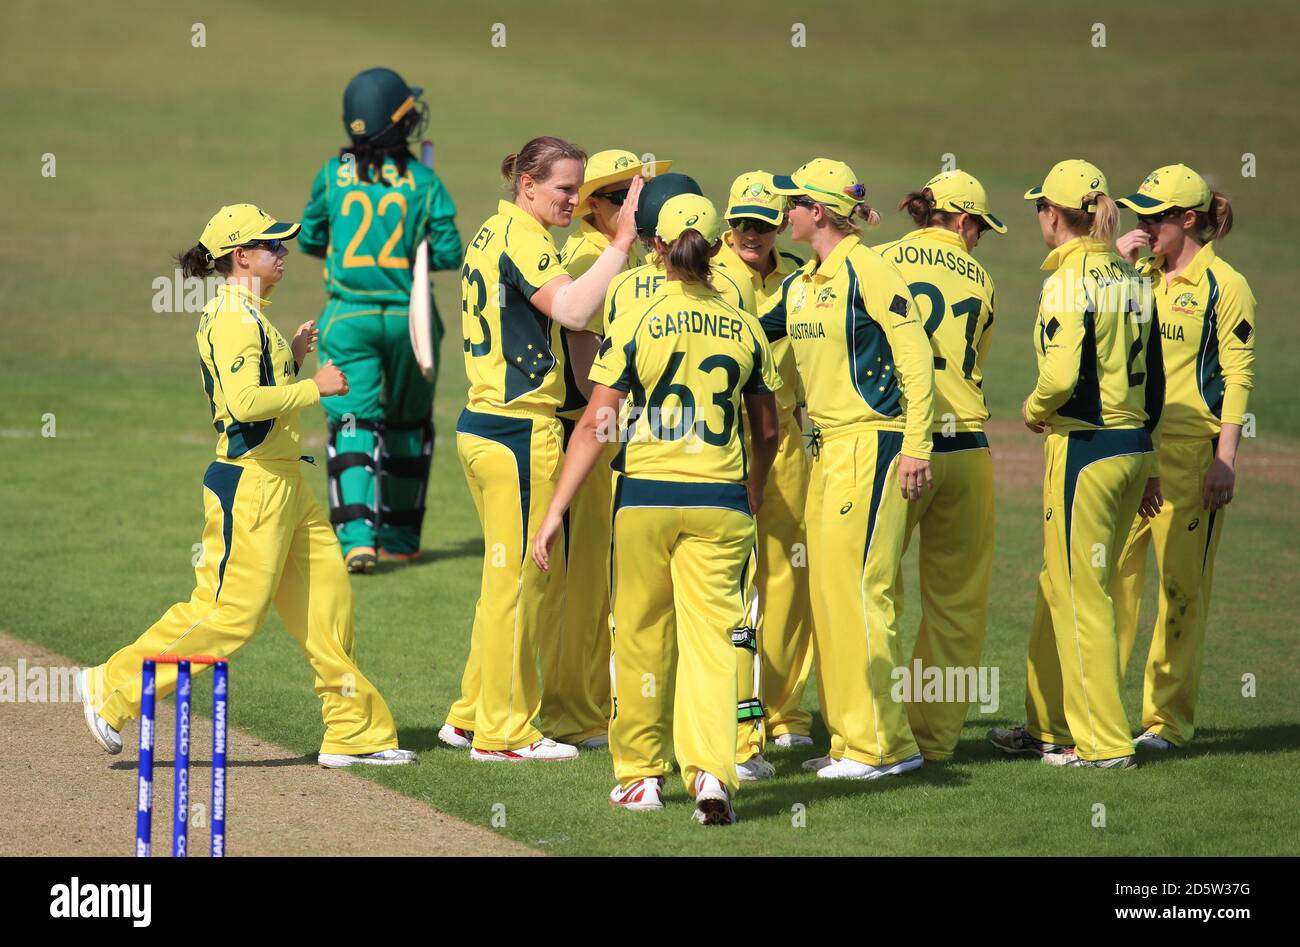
(239, 289)
(831, 265)
(689, 289)
(1193, 272)
(1057, 257)
(515, 212)
(592, 233)
(938, 235)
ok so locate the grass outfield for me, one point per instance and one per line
(151, 134)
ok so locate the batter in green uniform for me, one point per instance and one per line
(369, 209)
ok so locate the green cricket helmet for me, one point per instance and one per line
(656, 193)
(379, 106)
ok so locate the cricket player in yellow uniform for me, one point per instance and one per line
(575, 662)
(515, 296)
(956, 300)
(773, 667)
(683, 530)
(1207, 327)
(265, 537)
(866, 366)
(1098, 398)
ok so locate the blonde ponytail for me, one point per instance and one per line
(1105, 220)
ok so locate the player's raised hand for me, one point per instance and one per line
(304, 341)
(625, 228)
(1133, 244)
(330, 380)
(545, 539)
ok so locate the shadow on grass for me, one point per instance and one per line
(465, 549)
(422, 739)
(973, 747)
(308, 760)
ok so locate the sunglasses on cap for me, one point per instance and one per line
(272, 246)
(741, 224)
(1161, 217)
(614, 197)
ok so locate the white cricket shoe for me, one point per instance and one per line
(544, 749)
(852, 769)
(787, 740)
(392, 757)
(1150, 740)
(712, 802)
(754, 769)
(455, 736)
(104, 735)
(598, 742)
(642, 795)
(817, 763)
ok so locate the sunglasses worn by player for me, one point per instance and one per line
(614, 197)
(799, 201)
(741, 224)
(272, 246)
(1152, 220)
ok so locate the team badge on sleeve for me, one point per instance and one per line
(899, 306)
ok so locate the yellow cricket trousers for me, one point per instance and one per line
(857, 521)
(512, 463)
(679, 596)
(1186, 537)
(575, 660)
(956, 522)
(1092, 489)
(781, 607)
(265, 539)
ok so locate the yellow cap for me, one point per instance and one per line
(1174, 185)
(237, 224)
(959, 192)
(1069, 183)
(825, 181)
(610, 167)
(752, 195)
(689, 212)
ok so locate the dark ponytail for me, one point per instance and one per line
(1214, 224)
(689, 256)
(370, 154)
(196, 262)
(920, 207)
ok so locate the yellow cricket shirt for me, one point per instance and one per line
(639, 285)
(1099, 362)
(580, 251)
(248, 374)
(861, 350)
(1207, 337)
(513, 355)
(686, 358)
(791, 394)
(955, 297)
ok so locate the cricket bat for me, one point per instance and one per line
(420, 314)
